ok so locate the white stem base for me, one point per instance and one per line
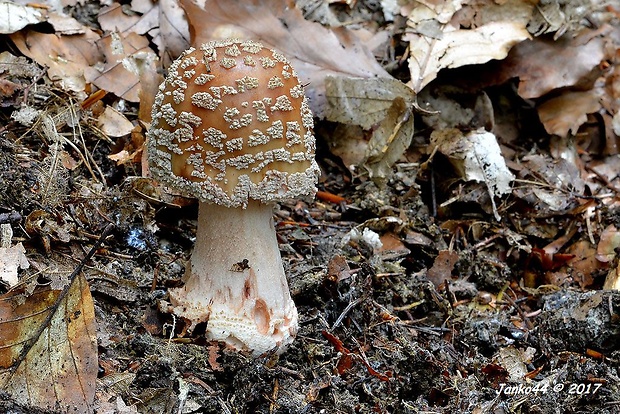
(236, 283)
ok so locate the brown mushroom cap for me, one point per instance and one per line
(231, 123)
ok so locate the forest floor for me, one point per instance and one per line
(420, 288)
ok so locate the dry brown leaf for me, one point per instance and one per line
(48, 347)
(349, 143)
(127, 58)
(113, 18)
(141, 18)
(442, 267)
(70, 59)
(314, 51)
(567, 112)
(585, 263)
(543, 65)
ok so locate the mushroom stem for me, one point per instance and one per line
(236, 283)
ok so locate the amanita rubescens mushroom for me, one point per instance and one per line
(232, 127)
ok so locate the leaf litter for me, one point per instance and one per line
(430, 274)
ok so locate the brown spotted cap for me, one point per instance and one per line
(231, 123)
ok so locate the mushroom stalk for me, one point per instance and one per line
(236, 283)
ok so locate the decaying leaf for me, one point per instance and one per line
(442, 268)
(12, 258)
(70, 59)
(562, 16)
(608, 244)
(558, 178)
(362, 101)
(385, 104)
(113, 123)
(313, 50)
(127, 58)
(543, 65)
(390, 140)
(48, 347)
(449, 106)
(476, 157)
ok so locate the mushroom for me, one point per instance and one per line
(232, 127)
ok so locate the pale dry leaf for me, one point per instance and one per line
(48, 348)
(173, 36)
(70, 59)
(459, 47)
(113, 123)
(65, 25)
(543, 65)
(565, 113)
(369, 103)
(612, 281)
(513, 361)
(476, 157)
(11, 260)
(128, 57)
(424, 10)
(608, 244)
(14, 17)
(390, 140)
(313, 50)
(362, 101)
